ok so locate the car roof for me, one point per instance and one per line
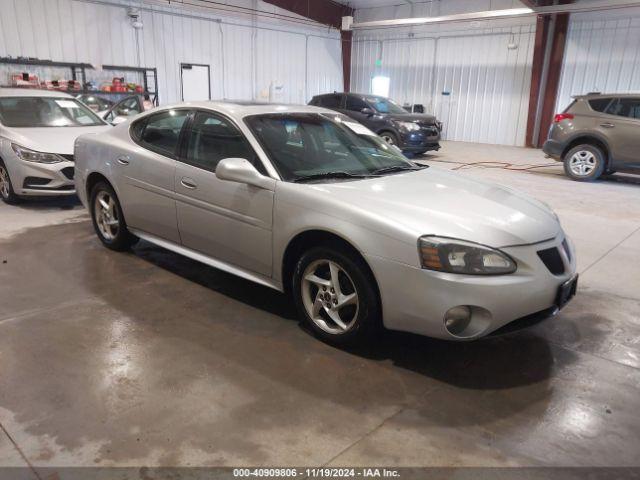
(32, 92)
(589, 96)
(243, 108)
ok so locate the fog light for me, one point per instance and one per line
(457, 319)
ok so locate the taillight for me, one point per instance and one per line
(562, 116)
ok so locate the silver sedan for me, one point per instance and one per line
(304, 200)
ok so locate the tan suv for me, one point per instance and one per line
(597, 134)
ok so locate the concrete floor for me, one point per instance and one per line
(148, 358)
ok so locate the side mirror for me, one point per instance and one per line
(242, 171)
(367, 111)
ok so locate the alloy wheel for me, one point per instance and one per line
(582, 163)
(106, 215)
(4, 182)
(329, 296)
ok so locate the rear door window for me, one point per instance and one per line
(628, 107)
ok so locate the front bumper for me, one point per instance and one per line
(41, 179)
(419, 141)
(416, 300)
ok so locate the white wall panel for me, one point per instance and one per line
(246, 54)
(488, 83)
(601, 54)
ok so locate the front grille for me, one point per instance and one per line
(68, 172)
(552, 260)
(67, 157)
(428, 129)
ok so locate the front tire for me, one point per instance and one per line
(584, 163)
(108, 220)
(389, 137)
(335, 296)
(6, 187)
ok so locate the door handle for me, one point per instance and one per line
(607, 125)
(189, 183)
(123, 160)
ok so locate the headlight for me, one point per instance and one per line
(458, 256)
(33, 156)
(409, 126)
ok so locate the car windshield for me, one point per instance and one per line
(30, 112)
(384, 105)
(315, 146)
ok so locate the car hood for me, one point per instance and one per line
(438, 202)
(412, 117)
(52, 139)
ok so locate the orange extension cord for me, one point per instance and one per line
(502, 165)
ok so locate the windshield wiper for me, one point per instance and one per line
(397, 168)
(320, 176)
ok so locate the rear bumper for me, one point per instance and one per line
(553, 148)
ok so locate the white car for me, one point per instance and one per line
(305, 200)
(37, 131)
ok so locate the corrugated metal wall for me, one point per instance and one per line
(601, 55)
(487, 83)
(245, 56)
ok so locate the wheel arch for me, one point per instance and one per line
(92, 180)
(307, 239)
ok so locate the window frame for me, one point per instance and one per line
(150, 147)
(183, 150)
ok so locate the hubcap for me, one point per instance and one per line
(582, 163)
(4, 182)
(106, 215)
(329, 296)
(388, 139)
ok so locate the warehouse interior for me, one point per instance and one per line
(147, 358)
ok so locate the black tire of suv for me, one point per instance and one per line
(392, 136)
(595, 173)
(368, 321)
(11, 198)
(124, 239)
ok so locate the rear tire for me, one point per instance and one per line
(584, 163)
(335, 296)
(108, 219)
(6, 187)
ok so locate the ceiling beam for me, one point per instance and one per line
(583, 6)
(326, 12)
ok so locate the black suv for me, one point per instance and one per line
(411, 132)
